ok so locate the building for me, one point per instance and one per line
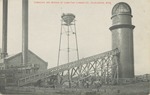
(33, 61)
(14, 69)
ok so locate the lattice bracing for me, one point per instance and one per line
(101, 67)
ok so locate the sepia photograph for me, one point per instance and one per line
(74, 47)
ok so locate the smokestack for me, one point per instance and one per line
(4, 34)
(25, 31)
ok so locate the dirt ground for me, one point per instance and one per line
(142, 88)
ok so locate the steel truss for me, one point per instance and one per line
(102, 68)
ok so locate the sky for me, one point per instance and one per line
(93, 19)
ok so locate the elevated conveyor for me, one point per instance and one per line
(100, 63)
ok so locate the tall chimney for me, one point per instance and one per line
(4, 34)
(25, 31)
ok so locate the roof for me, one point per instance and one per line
(120, 8)
(13, 56)
(37, 57)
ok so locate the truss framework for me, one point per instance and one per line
(101, 67)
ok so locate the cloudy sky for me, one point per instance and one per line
(92, 23)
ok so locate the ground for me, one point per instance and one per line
(141, 88)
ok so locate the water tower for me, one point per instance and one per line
(68, 46)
